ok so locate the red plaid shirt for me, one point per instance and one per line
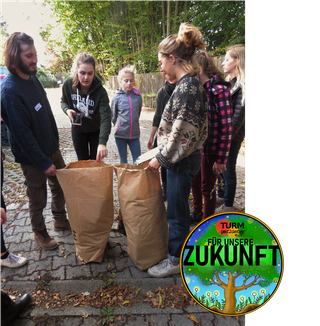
(219, 119)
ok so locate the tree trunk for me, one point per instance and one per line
(230, 296)
(163, 20)
(175, 16)
(168, 17)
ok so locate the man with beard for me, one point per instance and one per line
(34, 135)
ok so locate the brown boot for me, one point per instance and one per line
(44, 240)
(63, 225)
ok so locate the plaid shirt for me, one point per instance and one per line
(219, 119)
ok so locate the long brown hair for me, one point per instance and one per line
(206, 62)
(12, 49)
(81, 58)
(183, 46)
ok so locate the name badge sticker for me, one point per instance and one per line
(38, 107)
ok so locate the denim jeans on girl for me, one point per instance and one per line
(230, 176)
(134, 145)
(179, 185)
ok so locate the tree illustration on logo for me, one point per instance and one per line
(219, 258)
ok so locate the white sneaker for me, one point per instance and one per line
(223, 208)
(164, 268)
(13, 261)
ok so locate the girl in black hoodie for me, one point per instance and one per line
(84, 98)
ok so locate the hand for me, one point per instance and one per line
(3, 155)
(219, 168)
(154, 164)
(70, 114)
(102, 152)
(150, 143)
(3, 216)
(51, 171)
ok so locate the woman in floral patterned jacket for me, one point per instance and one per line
(182, 132)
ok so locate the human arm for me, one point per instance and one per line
(105, 126)
(3, 216)
(153, 132)
(219, 168)
(238, 112)
(222, 113)
(114, 109)
(154, 164)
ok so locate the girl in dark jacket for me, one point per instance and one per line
(85, 98)
(162, 99)
(234, 66)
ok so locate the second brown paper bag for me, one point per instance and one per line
(144, 214)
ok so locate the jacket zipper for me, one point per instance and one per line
(130, 115)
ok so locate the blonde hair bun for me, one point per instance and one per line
(191, 36)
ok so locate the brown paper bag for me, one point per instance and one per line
(144, 213)
(88, 191)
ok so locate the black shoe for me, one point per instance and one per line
(195, 218)
(13, 312)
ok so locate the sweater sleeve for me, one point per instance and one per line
(114, 105)
(238, 113)
(159, 108)
(64, 98)
(224, 110)
(105, 116)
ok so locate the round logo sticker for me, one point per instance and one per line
(231, 263)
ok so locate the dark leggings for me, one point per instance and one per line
(3, 205)
(85, 144)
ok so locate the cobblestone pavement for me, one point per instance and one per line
(61, 272)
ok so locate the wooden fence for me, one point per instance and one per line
(149, 84)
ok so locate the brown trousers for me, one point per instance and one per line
(36, 182)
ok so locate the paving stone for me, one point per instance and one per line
(137, 273)
(100, 268)
(122, 275)
(25, 206)
(157, 320)
(41, 265)
(205, 319)
(58, 273)
(78, 271)
(228, 321)
(12, 207)
(20, 247)
(180, 320)
(32, 277)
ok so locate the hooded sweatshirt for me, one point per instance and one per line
(126, 110)
(93, 106)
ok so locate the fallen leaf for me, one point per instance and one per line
(125, 302)
(193, 318)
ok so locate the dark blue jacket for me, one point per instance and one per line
(26, 111)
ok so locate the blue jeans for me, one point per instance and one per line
(230, 176)
(178, 190)
(134, 145)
